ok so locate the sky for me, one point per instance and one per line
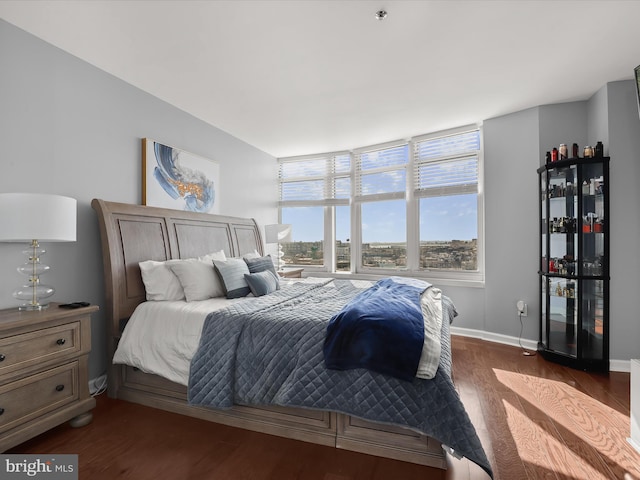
(441, 219)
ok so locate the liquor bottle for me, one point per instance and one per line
(599, 150)
(588, 152)
(563, 151)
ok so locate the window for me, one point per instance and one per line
(307, 234)
(384, 237)
(408, 206)
(311, 186)
(446, 186)
(381, 185)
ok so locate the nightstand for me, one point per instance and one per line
(43, 371)
(291, 272)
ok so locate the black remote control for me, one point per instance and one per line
(74, 305)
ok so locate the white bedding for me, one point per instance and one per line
(162, 337)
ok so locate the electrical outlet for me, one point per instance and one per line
(522, 308)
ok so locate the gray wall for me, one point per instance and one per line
(69, 128)
(511, 157)
(624, 149)
(562, 123)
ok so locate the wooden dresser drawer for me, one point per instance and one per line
(24, 350)
(35, 395)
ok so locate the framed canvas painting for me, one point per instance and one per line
(636, 74)
(173, 178)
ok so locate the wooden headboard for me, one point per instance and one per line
(134, 233)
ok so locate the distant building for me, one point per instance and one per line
(447, 255)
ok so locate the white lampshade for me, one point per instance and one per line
(37, 216)
(277, 233)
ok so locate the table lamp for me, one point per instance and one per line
(34, 218)
(278, 233)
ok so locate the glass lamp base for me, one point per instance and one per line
(33, 292)
(28, 307)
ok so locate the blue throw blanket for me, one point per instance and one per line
(268, 351)
(381, 329)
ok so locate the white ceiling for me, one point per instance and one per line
(298, 77)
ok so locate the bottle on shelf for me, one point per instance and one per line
(599, 150)
(588, 151)
(564, 153)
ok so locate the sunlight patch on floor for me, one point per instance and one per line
(525, 431)
(602, 427)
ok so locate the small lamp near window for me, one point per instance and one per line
(278, 233)
(32, 218)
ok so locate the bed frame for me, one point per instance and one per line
(134, 233)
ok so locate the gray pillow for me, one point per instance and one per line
(261, 264)
(231, 273)
(262, 283)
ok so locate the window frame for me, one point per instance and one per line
(358, 200)
(445, 274)
(412, 199)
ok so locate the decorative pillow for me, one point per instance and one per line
(253, 254)
(213, 256)
(261, 264)
(262, 283)
(198, 279)
(160, 283)
(231, 273)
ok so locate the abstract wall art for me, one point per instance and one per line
(173, 178)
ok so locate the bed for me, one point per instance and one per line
(131, 234)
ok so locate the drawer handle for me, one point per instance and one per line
(59, 388)
(2, 357)
(61, 341)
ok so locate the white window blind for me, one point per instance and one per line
(381, 174)
(318, 180)
(446, 165)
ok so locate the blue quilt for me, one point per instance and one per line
(381, 329)
(268, 351)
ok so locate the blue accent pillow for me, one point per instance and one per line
(262, 283)
(231, 273)
(261, 264)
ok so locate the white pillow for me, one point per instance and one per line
(198, 279)
(160, 282)
(213, 256)
(252, 255)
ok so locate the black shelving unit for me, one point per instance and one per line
(574, 269)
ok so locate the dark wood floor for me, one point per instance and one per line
(536, 420)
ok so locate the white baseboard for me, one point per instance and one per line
(634, 444)
(614, 365)
(494, 337)
(620, 365)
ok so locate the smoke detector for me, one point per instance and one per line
(381, 15)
